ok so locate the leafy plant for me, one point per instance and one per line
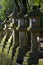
(7, 8)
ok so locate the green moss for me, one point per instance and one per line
(16, 54)
(40, 61)
(26, 58)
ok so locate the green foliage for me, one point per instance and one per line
(7, 8)
(2, 14)
(8, 4)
